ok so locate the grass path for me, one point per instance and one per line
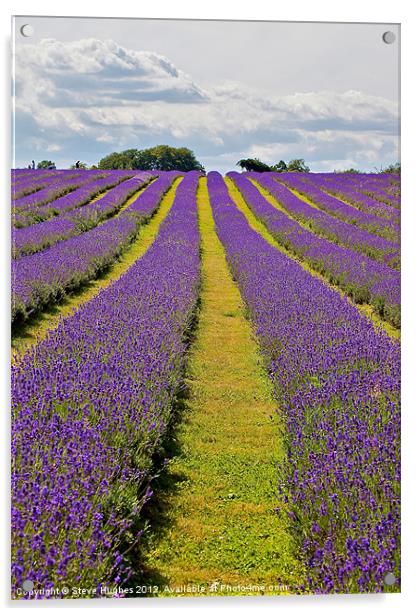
(258, 226)
(218, 495)
(35, 330)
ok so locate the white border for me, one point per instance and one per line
(304, 10)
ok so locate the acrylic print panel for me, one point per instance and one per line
(206, 308)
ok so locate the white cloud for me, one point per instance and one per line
(98, 92)
(53, 147)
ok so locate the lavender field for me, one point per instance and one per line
(137, 299)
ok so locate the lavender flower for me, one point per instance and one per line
(337, 381)
(90, 405)
(362, 278)
(41, 278)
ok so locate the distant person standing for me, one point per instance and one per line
(77, 165)
(33, 164)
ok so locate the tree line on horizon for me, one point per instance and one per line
(159, 158)
(169, 158)
(299, 165)
(255, 164)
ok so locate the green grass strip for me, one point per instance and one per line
(213, 521)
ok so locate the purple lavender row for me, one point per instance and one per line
(335, 184)
(381, 188)
(384, 180)
(360, 181)
(360, 277)
(337, 381)
(378, 186)
(36, 214)
(90, 406)
(56, 189)
(393, 200)
(43, 201)
(43, 278)
(388, 197)
(17, 174)
(394, 189)
(322, 223)
(60, 180)
(31, 183)
(31, 239)
(23, 175)
(32, 177)
(365, 183)
(340, 209)
(344, 190)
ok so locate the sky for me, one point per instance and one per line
(228, 90)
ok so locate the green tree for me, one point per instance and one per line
(299, 165)
(160, 157)
(46, 164)
(120, 160)
(395, 168)
(168, 158)
(253, 164)
(281, 167)
(352, 170)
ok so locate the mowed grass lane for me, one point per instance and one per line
(35, 330)
(213, 519)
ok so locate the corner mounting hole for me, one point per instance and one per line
(28, 585)
(27, 30)
(388, 37)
